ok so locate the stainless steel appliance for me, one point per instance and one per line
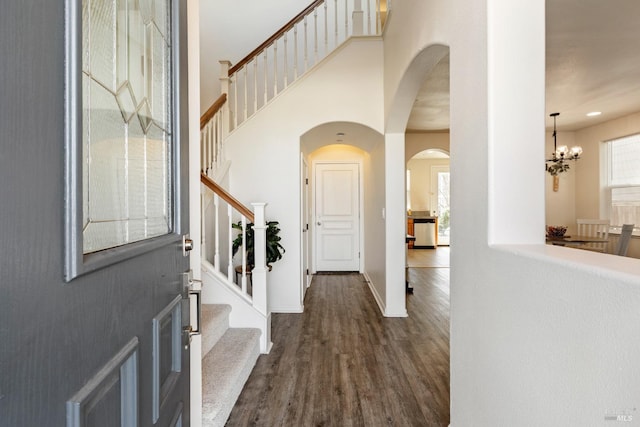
(425, 232)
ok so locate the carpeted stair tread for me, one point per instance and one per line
(215, 322)
(225, 369)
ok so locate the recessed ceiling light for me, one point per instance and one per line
(594, 113)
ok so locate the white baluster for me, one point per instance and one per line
(286, 62)
(255, 84)
(213, 153)
(234, 86)
(368, 17)
(378, 18)
(356, 17)
(315, 35)
(306, 46)
(244, 255)
(335, 24)
(217, 132)
(207, 147)
(265, 79)
(203, 234)
(230, 244)
(209, 144)
(246, 95)
(225, 84)
(326, 30)
(216, 251)
(275, 68)
(203, 144)
(295, 52)
(346, 20)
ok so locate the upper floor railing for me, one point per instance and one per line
(293, 50)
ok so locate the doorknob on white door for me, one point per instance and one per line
(319, 223)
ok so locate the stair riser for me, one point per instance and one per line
(215, 322)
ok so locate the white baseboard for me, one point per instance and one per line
(284, 310)
(375, 293)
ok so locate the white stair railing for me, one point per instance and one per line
(217, 248)
(212, 133)
(293, 50)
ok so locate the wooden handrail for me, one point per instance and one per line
(227, 197)
(275, 36)
(215, 107)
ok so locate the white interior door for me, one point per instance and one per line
(337, 214)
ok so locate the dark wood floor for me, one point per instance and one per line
(341, 363)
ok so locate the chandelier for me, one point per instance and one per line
(558, 162)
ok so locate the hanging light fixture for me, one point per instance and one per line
(558, 162)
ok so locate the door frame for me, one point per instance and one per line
(305, 229)
(314, 233)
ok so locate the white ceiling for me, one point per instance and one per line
(593, 64)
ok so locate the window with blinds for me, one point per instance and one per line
(624, 180)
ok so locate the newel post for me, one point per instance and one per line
(259, 273)
(357, 18)
(225, 84)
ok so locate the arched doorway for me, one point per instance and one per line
(356, 151)
(428, 191)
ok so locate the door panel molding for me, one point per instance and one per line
(122, 371)
(176, 421)
(170, 317)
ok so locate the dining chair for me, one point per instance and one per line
(594, 228)
(623, 240)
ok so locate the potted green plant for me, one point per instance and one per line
(274, 248)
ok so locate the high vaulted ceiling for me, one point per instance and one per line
(592, 63)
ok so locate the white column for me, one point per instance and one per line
(516, 82)
(259, 274)
(395, 225)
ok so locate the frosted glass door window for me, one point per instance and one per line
(127, 126)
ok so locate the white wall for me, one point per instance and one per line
(374, 223)
(587, 169)
(401, 49)
(416, 142)
(266, 149)
(224, 35)
(540, 335)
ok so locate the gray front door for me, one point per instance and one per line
(93, 210)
